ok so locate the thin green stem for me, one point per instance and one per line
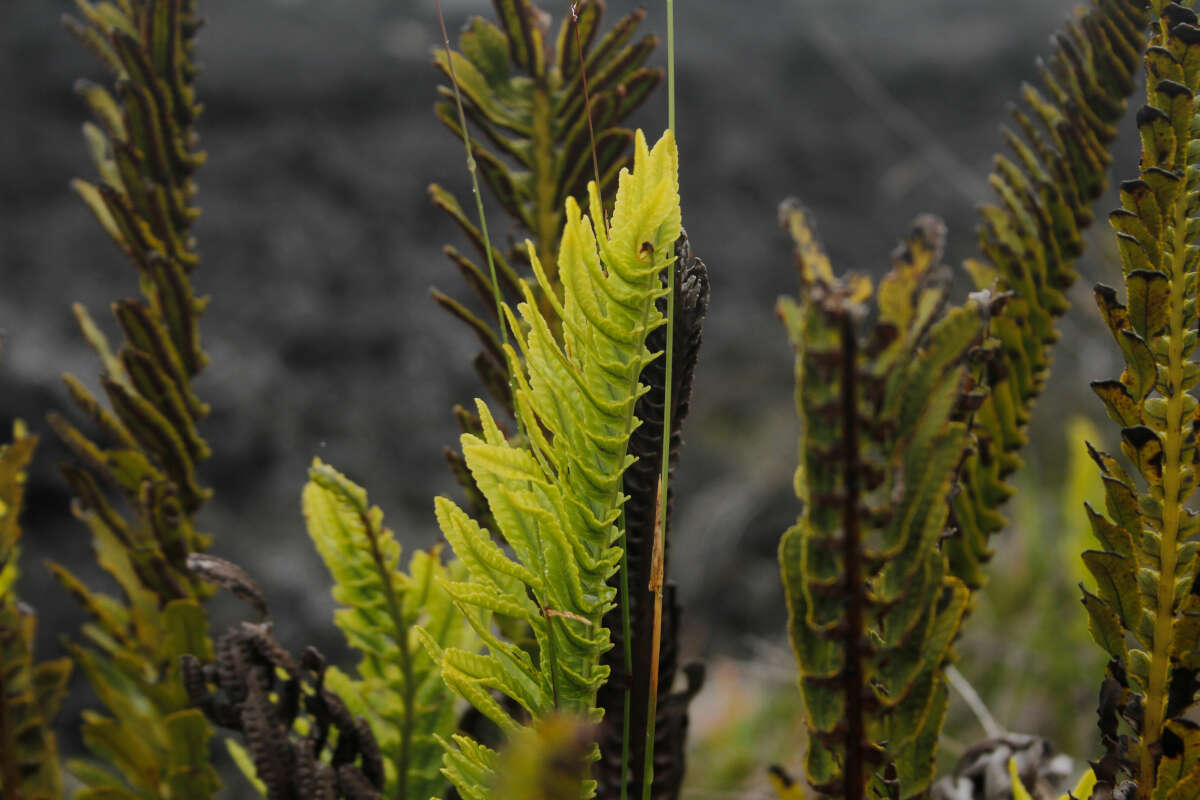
(626, 629)
(587, 102)
(499, 301)
(660, 533)
(671, 64)
(471, 168)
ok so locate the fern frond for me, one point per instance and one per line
(556, 501)
(524, 96)
(30, 694)
(522, 93)
(398, 688)
(1030, 241)
(1146, 613)
(882, 395)
(144, 458)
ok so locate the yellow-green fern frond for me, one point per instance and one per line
(556, 498)
(398, 688)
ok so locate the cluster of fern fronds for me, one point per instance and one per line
(533, 652)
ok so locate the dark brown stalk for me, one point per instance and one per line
(641, 482)
(852, 677)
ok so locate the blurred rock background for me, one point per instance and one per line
(320, 245)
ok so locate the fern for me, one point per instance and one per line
(1030, 242)
(872, 607)
(524, 100)
(398, 689)
(143, 146)
(556, 502)
(302, 740)
(29, 694)
(1146, 614)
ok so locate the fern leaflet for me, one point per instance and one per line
(398, 689)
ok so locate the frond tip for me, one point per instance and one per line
(556, 497)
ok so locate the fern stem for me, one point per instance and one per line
(587, 100)
(471, 168)
(620, 492)
(852, 676)
(659, 552)
(626, 629)
(671, 65)
(1156, 694)
(405, 657)
(656, 588)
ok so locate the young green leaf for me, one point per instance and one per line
(556, 500)
(398, 687)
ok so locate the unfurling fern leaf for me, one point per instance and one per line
(882, 395)
(29, 694)
(147, 447)
(556, 500)
(1030, 242)
(1146, 612)
(398, 688)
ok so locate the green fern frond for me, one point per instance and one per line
(144, 458)
(398, 688)
(1030, 241)
(882, 395)
(1146, 612)
(524, 97)
(557, 500)
(522, 94)
(30, 694)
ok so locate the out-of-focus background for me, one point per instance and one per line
(320, 246)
